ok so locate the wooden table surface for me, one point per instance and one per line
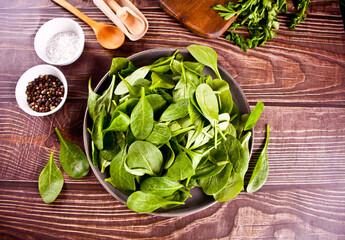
(300, 76)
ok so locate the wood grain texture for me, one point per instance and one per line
(299, 75)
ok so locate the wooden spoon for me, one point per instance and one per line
(130, 19)
(110, 37)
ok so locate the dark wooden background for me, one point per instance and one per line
(300, 76)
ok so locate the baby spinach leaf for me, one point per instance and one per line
(161, 81)
(260, 173)
(183, 86)
(119, 177)
(206, 56)
(50, 181)
(207, 170)
(145, 202)
(207, 101)
(120, 123)
(160, 134)
(181, 168)
(106, 98)
(175, 111)
(179, 196)
(97, 134)
(161, 186)
(214, 184)
(72, 158)
(95, 154)
(121, 88)
(254, 116)
(238, 156)
(169, 155)
(117, 65)
(231, 190)
(144, 157)
(142, 118)
(125, 107)
(225, 97)
(157, 102)
(91, 102)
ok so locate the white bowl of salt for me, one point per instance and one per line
(59, 41)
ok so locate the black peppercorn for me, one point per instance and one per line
(44, 93)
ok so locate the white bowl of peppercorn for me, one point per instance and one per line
(41, 90)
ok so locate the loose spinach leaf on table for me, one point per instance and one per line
(260, 173)
(50, 181)
(254, 116)
(72, 158)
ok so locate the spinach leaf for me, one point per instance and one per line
(119, 177)
(106, 98)
(175, 111)
(157, 102)
(207, 101)
(91, 102)
(238, 156)
(142, 118)
(206, 56)
(161, 186)
(254, 116)
(181, 168)
(144, 158)
(225, 97)
(169, 155)
(120, 123)
(260, 173)
(145, 202)
(159, 135)
(125, 107)
(95, 154)
(231, 190)
(50, 181)
(161, 81)
(214, 184)
(97, 134)
(121, 88)
(72, 159)
(117, 65)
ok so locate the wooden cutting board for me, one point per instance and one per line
(198, 16)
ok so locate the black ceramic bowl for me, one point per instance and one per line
(199, 201)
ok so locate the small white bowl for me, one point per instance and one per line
(49, 29)
(29, 76)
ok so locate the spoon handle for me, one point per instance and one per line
(93, 24)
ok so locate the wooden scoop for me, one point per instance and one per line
(110, 37)
(131, 20)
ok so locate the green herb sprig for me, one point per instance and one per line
(259, 18)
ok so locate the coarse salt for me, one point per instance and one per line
(63, 46)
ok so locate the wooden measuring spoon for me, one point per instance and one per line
(110, 37)
(130, 19)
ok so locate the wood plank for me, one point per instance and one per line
(308, 212)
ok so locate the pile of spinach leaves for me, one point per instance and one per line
(165, 128)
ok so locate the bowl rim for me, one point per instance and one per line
(24, 79)
(41, 30)
(86, 137)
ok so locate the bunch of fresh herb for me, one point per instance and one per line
(165, 128)
(259, 17)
